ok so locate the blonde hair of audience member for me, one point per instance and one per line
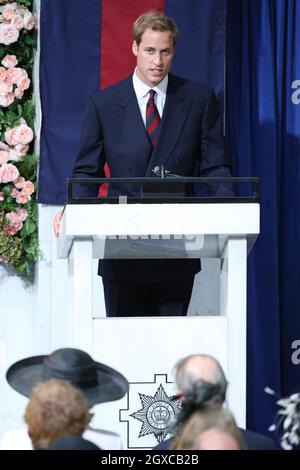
(55, 409)
(210, 428)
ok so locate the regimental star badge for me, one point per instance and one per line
(158, 414)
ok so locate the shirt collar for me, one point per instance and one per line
(141, 89)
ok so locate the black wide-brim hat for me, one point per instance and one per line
(97, 382)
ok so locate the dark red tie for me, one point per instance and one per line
(152, 118)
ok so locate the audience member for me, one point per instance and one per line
(72, 443)
(97, 382)
(211, 427)
(197, 372)
(55, 409)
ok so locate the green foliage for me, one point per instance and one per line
(25, 3)
(23, 49)
(11, 117)
(28, 167)
(10, 249)
(28, 111)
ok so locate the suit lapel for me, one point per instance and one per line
(129, 116)
(175, 113)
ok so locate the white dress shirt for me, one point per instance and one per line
(142, 94)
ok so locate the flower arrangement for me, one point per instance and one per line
(13, 18)
(287, 420)
(18, 163)
(13, 81)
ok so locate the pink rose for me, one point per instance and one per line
(22, 198)
(28, 21)
(28, 187)
(24, 134)
(12, 217)
(7, 100)
(1, 196)
(18, 225)
(23, 83)
(22, 214)
(5, 87)
(2, 73)
(14, 74)
(10, 136)
(9, 173)
(15, 221)
(21, 149)
(4, 157)
(24, 74)
(9, 230)
(8, 11)
(4, 147)
(13, 192)
(21, 134)
(14, 156)
(9, 61)
(19, 93)
(19, 137)
(8, 34)
(15, 224)
(17, 21)
(19, 182)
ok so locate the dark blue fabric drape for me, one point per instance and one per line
(263, 133)
(201, 42)
(69, 71)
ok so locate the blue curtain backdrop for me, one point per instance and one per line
(263, 132)
(69, 70)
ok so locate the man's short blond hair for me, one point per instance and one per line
(156, 21)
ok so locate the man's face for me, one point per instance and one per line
(154, 56)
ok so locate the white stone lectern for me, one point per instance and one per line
(145, 349)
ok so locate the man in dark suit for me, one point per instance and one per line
(134, 130)
(200, 380)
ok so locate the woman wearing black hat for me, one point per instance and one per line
(97, 382)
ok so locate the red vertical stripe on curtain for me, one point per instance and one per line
(117, 60)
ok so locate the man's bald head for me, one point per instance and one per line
(199, 367)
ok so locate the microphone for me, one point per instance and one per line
(162, 172)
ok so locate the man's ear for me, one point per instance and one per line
(134, 48)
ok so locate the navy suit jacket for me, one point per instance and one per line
(253, 441)
(190, 143)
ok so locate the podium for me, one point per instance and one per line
(145, 349)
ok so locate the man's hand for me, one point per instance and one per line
(56, 223)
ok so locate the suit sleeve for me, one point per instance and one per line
(214, 159)
(90, 160)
